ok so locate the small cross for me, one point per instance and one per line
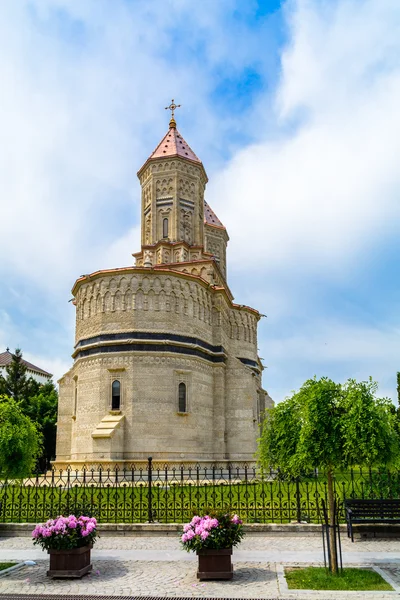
(172, 108)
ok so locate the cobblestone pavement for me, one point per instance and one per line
(167, 579)
(133, 574)
(249, 543)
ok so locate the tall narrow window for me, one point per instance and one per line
(75, 398)
(165, 228)
(182, 397)
(115, 395)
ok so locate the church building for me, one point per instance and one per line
(165, 363)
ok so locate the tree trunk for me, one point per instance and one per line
(332, 529)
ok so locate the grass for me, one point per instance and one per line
(6, 565)
(318, 578)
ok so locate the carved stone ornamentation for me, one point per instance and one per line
(148, 258)
(147, 236)
(186, 226)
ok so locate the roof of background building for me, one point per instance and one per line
(6, 358)
(210, 217)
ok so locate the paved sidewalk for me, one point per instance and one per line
(155, 566)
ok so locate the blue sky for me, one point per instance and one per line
(293, 109)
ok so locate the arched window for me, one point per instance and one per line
(182, 397)
(115, 395)
(75, 397)
(165, 228)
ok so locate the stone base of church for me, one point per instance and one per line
(158, 463)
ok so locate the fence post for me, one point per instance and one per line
(149, 497)
(298, 500)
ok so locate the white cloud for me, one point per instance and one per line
(334, 349)
(334, 342)
(318, 196)
(120, 251)
(83, 90)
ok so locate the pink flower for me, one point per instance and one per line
(37, 532)
(47, 533)
(214, 523)
(190, 534)
(72, 522)
(195, 520)
(187, 527)
(184, 538)
(199, 529)
(210, 524)
(204, 535)
(236, 520)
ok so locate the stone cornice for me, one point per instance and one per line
(169, 159)
(136, 345)
(225, 291)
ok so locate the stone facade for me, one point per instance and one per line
(165, 364)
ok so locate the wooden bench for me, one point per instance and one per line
(371, 511)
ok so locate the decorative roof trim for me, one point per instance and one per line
(6, 359)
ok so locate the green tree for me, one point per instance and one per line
(16, 384)
(42, 410)
(329, 426)
(37, 401)
(20, 440)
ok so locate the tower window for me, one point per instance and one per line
(165, 228)
(75, 397)
(115, 395)
(182, 397)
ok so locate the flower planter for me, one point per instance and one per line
(215, 564)
(70, 563)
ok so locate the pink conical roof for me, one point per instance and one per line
(210, 217)
(173, 144)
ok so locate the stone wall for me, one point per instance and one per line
(114, 309)
(139, 299)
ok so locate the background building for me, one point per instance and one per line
(165, 364)
(38, 374)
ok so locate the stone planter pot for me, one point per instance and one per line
(215, 564)
(70, 563)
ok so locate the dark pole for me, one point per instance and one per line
(149, 498)
(298, 501)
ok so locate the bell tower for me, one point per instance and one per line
(173, 181)
(175, 219)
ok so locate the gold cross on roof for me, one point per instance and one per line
(172, 108)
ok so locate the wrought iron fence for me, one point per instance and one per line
(172, 494)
